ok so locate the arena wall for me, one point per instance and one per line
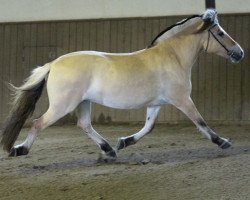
(47, 10)
(221, 90)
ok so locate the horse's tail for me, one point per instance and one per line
(25, 98)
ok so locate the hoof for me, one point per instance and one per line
(225, 144)
(108, 157)
(18, 151)
(222, 142)
(111, 154)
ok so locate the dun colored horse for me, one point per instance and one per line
(157, 75)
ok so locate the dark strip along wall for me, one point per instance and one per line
(221, 90)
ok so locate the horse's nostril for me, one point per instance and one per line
(236, 56)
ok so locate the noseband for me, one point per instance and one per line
(208, 40)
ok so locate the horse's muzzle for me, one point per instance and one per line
(236, 55)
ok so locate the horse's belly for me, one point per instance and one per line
(126, 88)
(128, 101)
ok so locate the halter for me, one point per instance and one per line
(208, 40)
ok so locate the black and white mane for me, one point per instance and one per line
(166, 32)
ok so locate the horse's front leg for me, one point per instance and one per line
(152, 113)
(187, 107)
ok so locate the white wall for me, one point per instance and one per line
(44, 10)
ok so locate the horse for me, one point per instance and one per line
(158, 75)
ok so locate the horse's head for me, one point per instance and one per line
(218, 41)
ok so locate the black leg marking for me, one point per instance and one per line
(129, 141)
(124, 142)
(221, 142)
(202, 123)
(19, 151)
(217, 140)
(108, 149)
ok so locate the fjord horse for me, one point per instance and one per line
(157, 75)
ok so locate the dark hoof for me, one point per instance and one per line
(225, 144)
(111, 154)
(108, 157)
(18, 151)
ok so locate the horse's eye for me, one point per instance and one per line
(221, 33)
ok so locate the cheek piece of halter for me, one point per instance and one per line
(230, 53)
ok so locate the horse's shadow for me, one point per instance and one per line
(173, 156)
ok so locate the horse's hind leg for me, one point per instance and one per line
(84, 121)
(152, 113)
(43, 122)
(190, 110)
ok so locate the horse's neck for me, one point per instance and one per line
(185, 48)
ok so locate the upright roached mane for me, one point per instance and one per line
(148, 78)
(167, 33)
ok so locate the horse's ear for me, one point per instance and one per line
(209, 18)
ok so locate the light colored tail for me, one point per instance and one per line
(25, 99)
(37, 75)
